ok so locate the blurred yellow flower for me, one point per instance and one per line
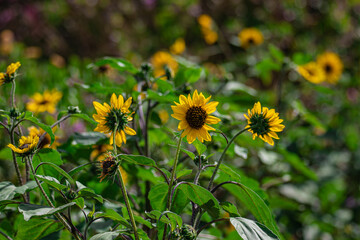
(10, 73)
(207, 29)
(164, 116)
(45, 143)
(44, 102)
(114, 119)
(332, 65)
(250, 36)
(205, 21)
(161, 59)
(178, 47)
(194, 115)
(99, 150)
(6, 42)
(26, 145)
(210, 36)
(312, 72)
(264, 123)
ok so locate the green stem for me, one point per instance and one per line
(222, 157)
(12, 140)
(13, 87)
(124, 193)
(173, 172)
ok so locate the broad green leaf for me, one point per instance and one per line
(113, 215)
(61, 171)
(117, 63)
(276, 53)
(200, 148)
(29, 116)
(31, 210)
(158, 196)
(138, 159)
(249, 229)
(47, 155)
(37, 228)
(80, 202)
(183, 172)
(87, 138)
(160, 97)
(230, 208)
(89, 193)
(255, 204)
(175, 220)
(155, 215)
(202, 197)
(297, 163)
(8, 190)
(105, 236)
(84, 117)
(189, 74)
(52, 182)
(190, 154)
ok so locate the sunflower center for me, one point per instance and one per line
(251, 41)
(116, 117)
(107, 166)
(328, 68)
(43, 102)
(26, 145)
(196, 117)
(259, 124)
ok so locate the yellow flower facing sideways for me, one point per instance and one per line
(178, 47)
(194, 115)
(264, 123)
(332, 65)
(161, 59)
(26, 145)
(44, 102)
(250, 37)
(312, 72)
(45, 143)
(9, 74)
(114, 118)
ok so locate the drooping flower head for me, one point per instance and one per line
(178, 47)
(250, 37)
(312, 72)
(109, 165)
(332, 65)
(114, 119)
(45, 143)
(9, 75)
(264, 123)
(26, 145)
(44, 102)
(99, 150)
(194, 115)
(161, 59)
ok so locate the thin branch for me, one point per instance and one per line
(209, 223)
(5, 235)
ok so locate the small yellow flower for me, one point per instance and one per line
(205, 21)
(312, 72)
(207, 29)
(178, 47)
(332, 65)
(164, 116)
(45, 143)
(210, 36)
(26, 145)
(10, 73)
(114, 119)
(194, 115)
(44, 102)
(264, 123)
(250, 36)
(99, 150)
(161, 59)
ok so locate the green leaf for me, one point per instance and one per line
(87, 138)
(250, 230)
(84, 117)
(202, 197)
(183, 172)
(113, 215)
(297, 163)
(31, 210)
(200, 148)
(155, 215)
(309, 117)
(89, 193)
(61, 171)
(29, 116)
(190, 154)
(160, 97)
(8, 190)
(276, 53)
(139, 160)
(188, 74)
(230, 208)
(105, 236)
(52, 182)
(37, 228)
(158, 196)
(254, 204)
(47, 155)
(117, 63)
(80, 202)
(175, 220)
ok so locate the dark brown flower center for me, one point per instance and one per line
(196, 117)
(43, 102)
(251, 41)
(328, 68)
(107, 166)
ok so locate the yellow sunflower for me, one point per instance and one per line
(250, 36)
(178, 47)
(10, 73)
(45, 143)
(332, 65)
(44, 102)
(26, 145)
(114, 119)
(312, 72)
(205, 21)
(99, 150)
(161, 59)
(208, 29)
(194, 115)
(264, 123)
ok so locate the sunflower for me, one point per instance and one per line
(264, 123)
(194, 115)
(332, 65)
(10, 73)
(114, 119)
(26, 145)
(44, 102)
(205, 21)
(178, 47)
(312, 72)
(161, 59)
(250, 36)
(45, 143)
(108, 165)
(99, 150)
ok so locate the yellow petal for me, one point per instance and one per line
(212, 120)
(129, 131)
(114, 102)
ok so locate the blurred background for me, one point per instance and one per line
(311, 177)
